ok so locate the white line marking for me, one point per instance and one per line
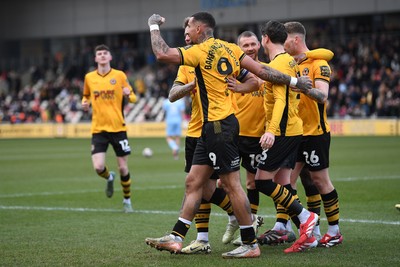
(343, 179)
(85, 191)
(169, 213)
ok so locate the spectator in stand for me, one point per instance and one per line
(364, 58)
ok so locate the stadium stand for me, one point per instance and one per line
(365, 80)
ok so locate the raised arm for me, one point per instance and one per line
(161, 50)
(318, 53)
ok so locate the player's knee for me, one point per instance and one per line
(123, 170)
(99, 168)
(251, 184)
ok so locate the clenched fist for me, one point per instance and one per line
(156, 19)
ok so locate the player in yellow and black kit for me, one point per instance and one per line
(106, 89)
(282, 231)
(249, 147)
(314, 149)
(251, 117)
(214, 60)
(185, 85)
(283, 132)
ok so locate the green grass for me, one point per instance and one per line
(53, 210)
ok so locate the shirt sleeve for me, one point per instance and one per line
(86, 91)
(188, 55)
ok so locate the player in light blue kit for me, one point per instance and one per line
(174, 113)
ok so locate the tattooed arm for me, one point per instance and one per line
(179, 90)
(160, 48)
(269, 74)
(320, 93)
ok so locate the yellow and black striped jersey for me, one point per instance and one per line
(106, 97)
(313, 113)
(281, 103)
(186, 75)
(251, 114)
(214, 60)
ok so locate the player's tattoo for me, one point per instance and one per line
(178, 91)
(157, 43)
(175, 94)
(316, 95)
(205, 35)
(269, 74)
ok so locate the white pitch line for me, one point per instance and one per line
(84, 191)
(47, 193)
(56, 209)
(2, 207)
(343, 179)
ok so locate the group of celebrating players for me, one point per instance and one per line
(268, 118)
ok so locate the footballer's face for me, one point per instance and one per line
(264, 41)
(193, 30)
(250, 46)
(290, 44)
(103, 57)
(188, 41)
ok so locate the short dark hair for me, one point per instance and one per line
(246, 34)
(295, 27)
(275, 30)
(205, 18)
(101, 47)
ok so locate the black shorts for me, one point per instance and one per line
(250, 152)
(190, 146)
(119, 142)
(218, 145)
(282, 154)
(314, 151)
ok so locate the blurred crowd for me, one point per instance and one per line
(365, 80)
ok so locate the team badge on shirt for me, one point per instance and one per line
(325, 71)
(306, 71)
(113, 81)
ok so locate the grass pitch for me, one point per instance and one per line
(53, 210)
